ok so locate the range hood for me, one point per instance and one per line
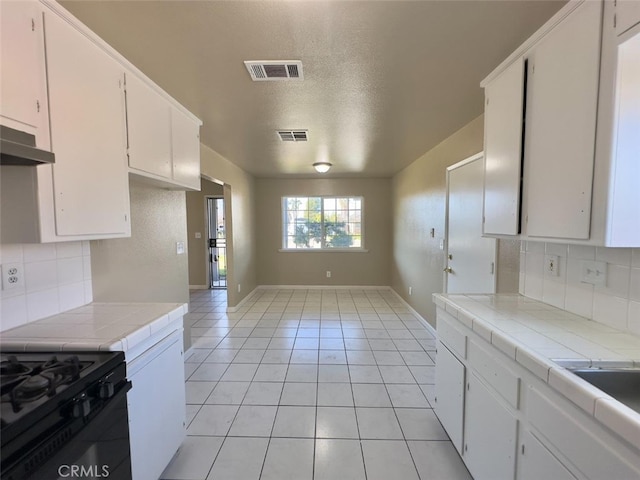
(19, 148)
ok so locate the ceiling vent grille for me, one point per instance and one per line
(262, 71)
(293, 135)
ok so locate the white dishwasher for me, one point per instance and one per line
(156, 406)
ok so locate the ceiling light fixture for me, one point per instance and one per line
(322, 167)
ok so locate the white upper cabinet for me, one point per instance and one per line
(627, 15)
(562, 99)
(163, 142)
(185, 135)
(23, 96)
(91, 191)
(148, 128)
(504, 98)
(623, 228)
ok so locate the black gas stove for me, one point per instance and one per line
(63, 414)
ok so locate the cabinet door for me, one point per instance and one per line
(503, 115)
(23, 96)
(156, 407)
(536, 462)
(149, 129)
(562, 93)
(450, 394)
(627, 15)
(489, 434)
(624, 221)
(91, 190)
(185, 134)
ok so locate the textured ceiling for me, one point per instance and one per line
(384, 81)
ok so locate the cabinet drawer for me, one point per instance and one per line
(504, 381)
(577, 442)
(452, 337)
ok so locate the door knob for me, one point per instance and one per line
(448, 270)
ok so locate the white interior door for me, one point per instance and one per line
(471, 259)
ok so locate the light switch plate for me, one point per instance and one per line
(594, 273)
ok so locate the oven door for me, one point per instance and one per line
(99, 450)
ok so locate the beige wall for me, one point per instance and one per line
(309, 268)
(197, 222)
(145, 267)
(240, 219)
(419, 193)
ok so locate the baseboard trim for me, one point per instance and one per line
(420, 318)
(242, 302)
(198, 287)
(322, 287)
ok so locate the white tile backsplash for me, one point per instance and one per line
(57, 278)
(617, 304)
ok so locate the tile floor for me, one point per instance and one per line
(311, 384)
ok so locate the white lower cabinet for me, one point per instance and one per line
(490, 432)
(156, 406)
(535, 462)
(450, 383)
(512, 425)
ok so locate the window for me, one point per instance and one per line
(322, 222)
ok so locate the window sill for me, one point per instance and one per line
(323, 250)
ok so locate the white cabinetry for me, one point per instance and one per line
(450, 383)
(156, 407)
(513, 424)
(87, 134)
(623, 228)
(23, 96)
(490, 434)
(562, 97)
(561, 79)
(536, 462)
(185, 148)
(148, 129)
(503, 120)
(85, 194)
(163, 142)
(627, 14)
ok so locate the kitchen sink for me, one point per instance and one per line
(623, 384)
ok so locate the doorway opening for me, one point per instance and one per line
(217, 243)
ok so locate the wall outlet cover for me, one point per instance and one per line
(594, 273)
(180, 248)
(552, 265)
(12, 276)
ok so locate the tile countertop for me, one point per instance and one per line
(544, 339)
(96, 326)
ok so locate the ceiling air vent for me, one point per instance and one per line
(262, 71)
(293, 135)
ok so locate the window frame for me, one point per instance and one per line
(323, 248)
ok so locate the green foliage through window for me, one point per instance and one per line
(322, 222)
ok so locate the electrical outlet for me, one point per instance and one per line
(180, 248)
(551, 265)
(198, 234)
(328, 273)
(12, 276)
(594, 273)
(410, 290)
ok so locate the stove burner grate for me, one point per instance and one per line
(22, 383)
